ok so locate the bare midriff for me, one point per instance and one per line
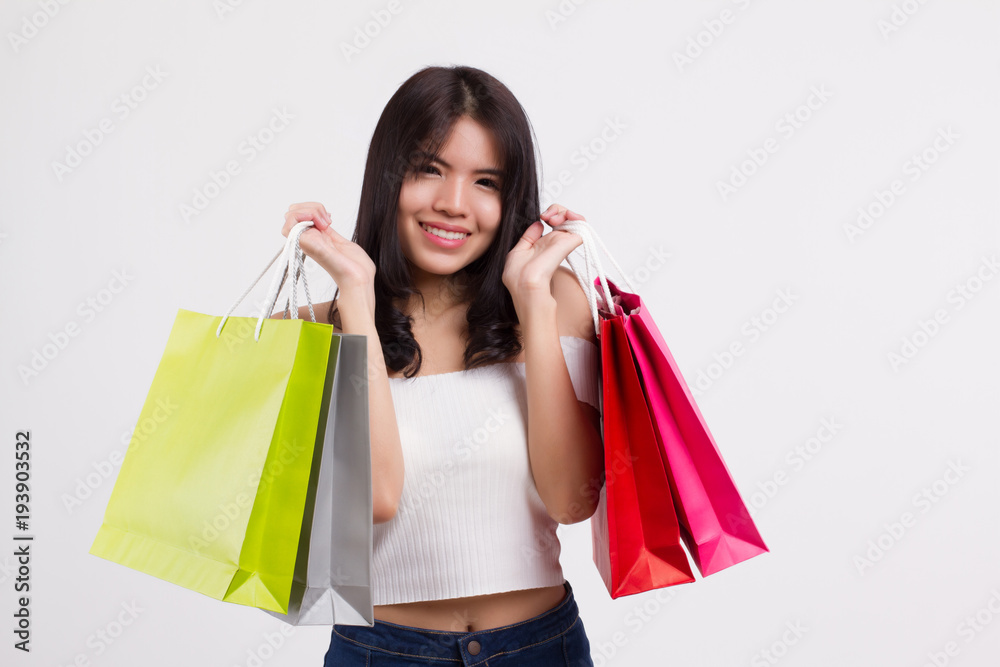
(473, 614)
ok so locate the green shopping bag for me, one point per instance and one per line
(213, 497)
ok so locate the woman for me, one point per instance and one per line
(482, 382)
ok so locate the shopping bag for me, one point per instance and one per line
(212, 493)
(636, 541)
(714, 522)
(332, 581)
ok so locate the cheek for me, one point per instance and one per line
(409, 204)
(408, 197)
(403, 230)
(488, 212)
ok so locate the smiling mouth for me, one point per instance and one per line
(450, 236)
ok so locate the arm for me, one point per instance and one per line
(353, 272)
(386, 450)
(565, 444)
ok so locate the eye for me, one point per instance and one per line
(490, 183)
(428, 168)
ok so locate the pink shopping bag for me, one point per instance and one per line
(715, 523)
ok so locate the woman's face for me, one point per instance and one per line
(458, 191)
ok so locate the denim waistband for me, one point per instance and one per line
(404, 640)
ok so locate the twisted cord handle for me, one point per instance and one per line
(592, 266)
(292, 258)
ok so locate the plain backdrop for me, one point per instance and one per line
(812, 184)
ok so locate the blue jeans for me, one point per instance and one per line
(553, 638)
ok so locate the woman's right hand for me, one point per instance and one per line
(347, 263)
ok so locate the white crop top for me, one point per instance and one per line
(470, 520)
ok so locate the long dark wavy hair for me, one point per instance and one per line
(416, 122)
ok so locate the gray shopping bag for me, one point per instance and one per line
(332, 582)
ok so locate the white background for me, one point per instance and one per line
(894, 76)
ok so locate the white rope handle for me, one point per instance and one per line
(592, 265)
(291, 246)
(300, 271)
(291, 252)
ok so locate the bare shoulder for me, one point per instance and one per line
(322, 311)
(575, 319)
(572, 306)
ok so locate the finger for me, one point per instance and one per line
(530, 236)
(317, 207)
(549, 253)
(556, 246)
(556, 215)
(563, 239)
(294, 217)
(552, 209)
(319, 214)
(309, 211)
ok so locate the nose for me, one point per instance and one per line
(450, 197)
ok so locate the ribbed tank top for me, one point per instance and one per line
(470, 520)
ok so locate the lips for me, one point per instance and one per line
(433, 236)
(444, 235)
(446, 227)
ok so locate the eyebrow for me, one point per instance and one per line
(436, 158)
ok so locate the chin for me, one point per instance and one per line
(441, 268)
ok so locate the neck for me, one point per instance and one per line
(441, 294)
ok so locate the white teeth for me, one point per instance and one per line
(443, 234)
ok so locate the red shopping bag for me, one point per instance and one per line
(635, 530)
(715, 523)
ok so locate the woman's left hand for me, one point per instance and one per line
(533, 261)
